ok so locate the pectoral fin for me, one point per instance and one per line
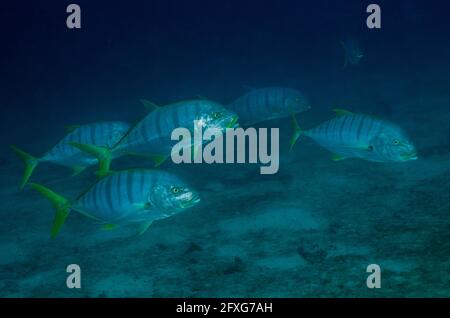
(364, 147)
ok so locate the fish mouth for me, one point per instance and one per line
(233, 122)
(411, 156)
(193, 201)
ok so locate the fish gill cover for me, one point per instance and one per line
(364, 171)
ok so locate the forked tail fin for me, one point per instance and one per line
(103, 155)
(61, 205)
(30, 164)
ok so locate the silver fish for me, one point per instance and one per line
(105, 134)
(151, 136)
(269, 103)
(362, 136)
(130, 196)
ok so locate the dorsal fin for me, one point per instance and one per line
(149, 106)
(342, 112)
(70, 128)
(144, 227)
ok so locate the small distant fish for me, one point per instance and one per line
(130, 196)
(105, 134)
(151, 137)
(268, 103)
(352, 51)
(362, 136)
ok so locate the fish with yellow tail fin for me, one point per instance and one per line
(129, 196)
(105, 134)
(360, 136)
(151, 137)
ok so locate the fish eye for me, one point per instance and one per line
(175, 190)
(396, 142)
(216, 115)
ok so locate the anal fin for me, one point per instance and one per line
(103, 155)
(336, 157)
(144, 227)
(77, 170)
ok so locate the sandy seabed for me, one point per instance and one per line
(308, 231)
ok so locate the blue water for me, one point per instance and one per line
(310, 230)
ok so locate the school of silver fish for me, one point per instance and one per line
(141, 196)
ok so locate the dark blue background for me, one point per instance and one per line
(167, 50)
